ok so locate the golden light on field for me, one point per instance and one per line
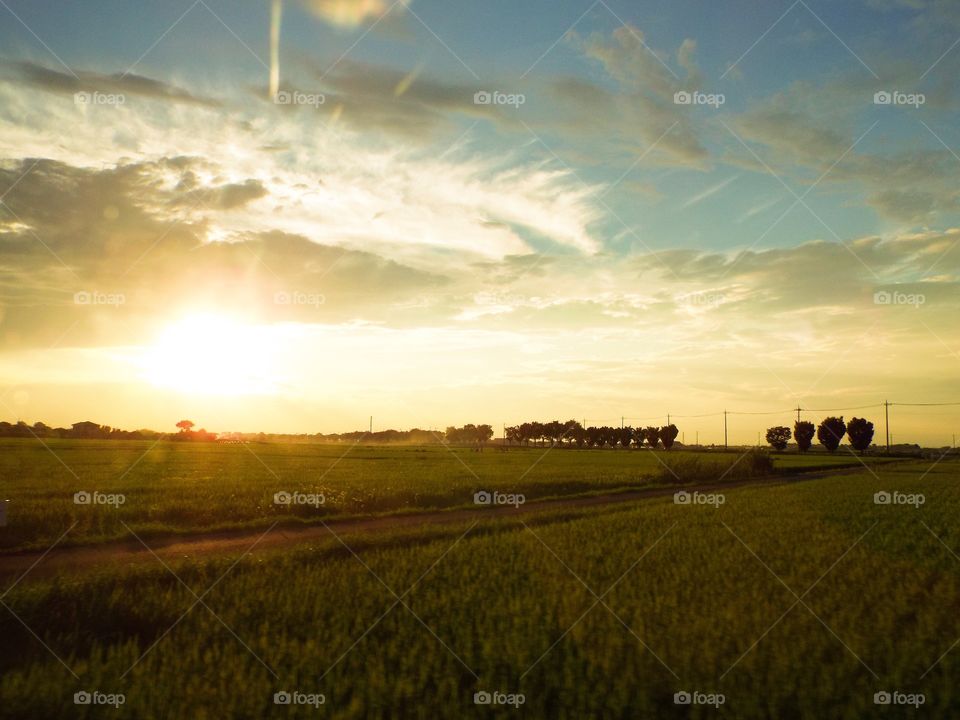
(212, 355)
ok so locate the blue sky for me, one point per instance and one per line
(596, 226)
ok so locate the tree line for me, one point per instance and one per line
(572, 433)
(829, 433)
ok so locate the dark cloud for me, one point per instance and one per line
(43, 78)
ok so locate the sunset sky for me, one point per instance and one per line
(175, 242)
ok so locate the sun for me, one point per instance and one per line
(210, 354)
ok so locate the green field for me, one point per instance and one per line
(178, 487)
(692, 598)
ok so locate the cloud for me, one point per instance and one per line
(644, 102)
(42, 78)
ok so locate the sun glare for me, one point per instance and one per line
(212, 355)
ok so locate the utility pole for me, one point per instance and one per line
(698, 438)
(886, 408)
(725, 430)
(668, 418)
(371, 424)
(621, 422)
(798, 413)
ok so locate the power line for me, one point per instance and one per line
(859, 407)
(926, 404)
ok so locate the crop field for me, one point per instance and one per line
(800, 600)
(177, 487)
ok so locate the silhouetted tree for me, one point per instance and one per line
(185, 425)
(831, 432)
(778, 437)
(652, 436)
(667, 435)
(803, 433)
(860, 432)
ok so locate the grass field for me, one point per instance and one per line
(786, 600)
(178, 487)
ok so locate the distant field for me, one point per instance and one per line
(179, 487)
(694, 598)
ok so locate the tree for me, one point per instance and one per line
(536, 432)
(652, 436)
(625, 434)
(860, 432)
(831, 432)
(483, 434)
(667, 434)
(803, 433)
(778, 437)
(185, 426)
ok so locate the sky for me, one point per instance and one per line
(292, 215)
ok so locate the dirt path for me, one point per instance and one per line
(89, 557)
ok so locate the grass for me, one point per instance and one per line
(178, 487)
(693, 598)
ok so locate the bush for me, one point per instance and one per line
(698, 469)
